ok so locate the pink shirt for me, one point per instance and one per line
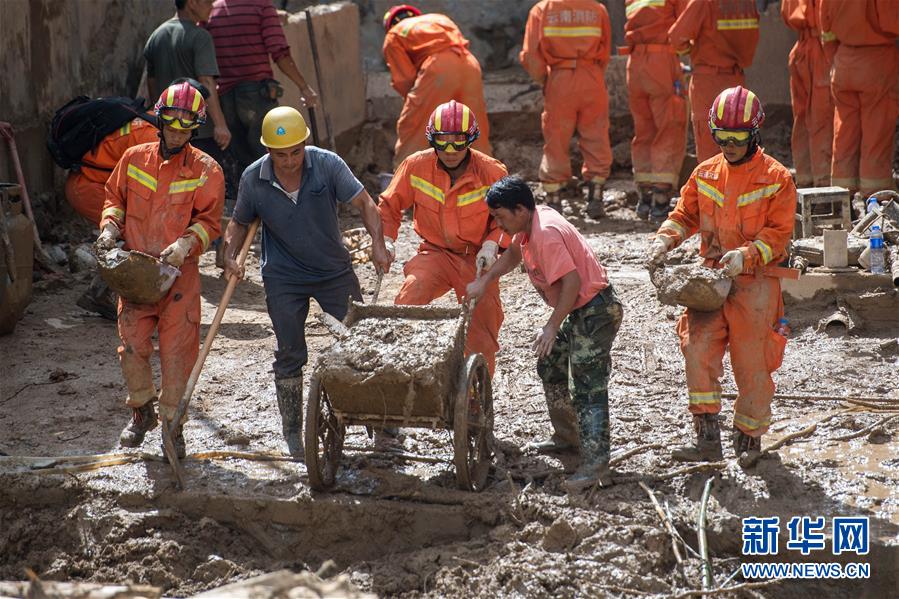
(552, 249)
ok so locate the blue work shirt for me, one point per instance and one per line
(301, 241)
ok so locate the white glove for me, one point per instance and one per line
(390, 244)
(487, 255)
(659, 248)
(732, 262)
(178, 251)
(108, 236)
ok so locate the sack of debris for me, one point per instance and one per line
(693, 286)
(135, 276)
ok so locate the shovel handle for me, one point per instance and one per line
(374, 296)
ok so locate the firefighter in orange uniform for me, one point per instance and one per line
(566, 48)
(447, 185)
(164, 199)
(865, 88)
(742, 203)
(657, 92)
(86, 192)
(810, 62)
(720, 36)
(430, 64)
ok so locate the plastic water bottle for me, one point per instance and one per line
(875, 240)
(782, 328)
(871, 204)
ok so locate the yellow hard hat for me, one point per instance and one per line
(283, 127)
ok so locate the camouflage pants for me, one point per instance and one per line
(576, 373)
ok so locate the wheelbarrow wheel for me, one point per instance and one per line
(324, 438)
(473, 425)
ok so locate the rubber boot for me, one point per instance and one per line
(594, 469)
(744, 443)
(177, 441)
(644, 204)
(143, 419)
(290, 404)
(565, 437)
(661, 205)
(708, 441)
(100, 299)
(595, 208)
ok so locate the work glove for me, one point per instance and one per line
(487, 255)
(108, 236)
(732, 262)
(659, 248)
(176, 253)
(390, 244)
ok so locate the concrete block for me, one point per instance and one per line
(836, 251)
(836, 198)
(342, 88)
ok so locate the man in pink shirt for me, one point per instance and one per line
(573, 347)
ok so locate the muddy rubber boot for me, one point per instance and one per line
(290, 404)
(744, 443)
(143, 419)
(644, 204)
(594, 470)
(708, 441)
(595, 208)
(565, 437)
(553, 199)
(178, 442)
(99, 299)
(661, 205)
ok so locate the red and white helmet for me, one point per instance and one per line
(737, 109)
(181, 97)
(452, 118)
(397, 13)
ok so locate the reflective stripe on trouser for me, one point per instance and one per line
(581, 359)
(288, 305)
(85, 196)
(812, 136)
(746, 324)
(445, 76)
(575, 100)
(177, 319)
(660, 118)
(864, 88)
(704, 88)
(431, 273)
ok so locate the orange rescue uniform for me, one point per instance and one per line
(86, 186)
(721, 37)
(453, 222)
(430, 64)
(566, 48)
(749, 207)
(154, 202)
(810, 62)
(656, 91)
(865, 88)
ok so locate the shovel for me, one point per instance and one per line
(169, 428)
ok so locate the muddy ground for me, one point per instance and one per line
(398, 527)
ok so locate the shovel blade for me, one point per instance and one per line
(172, 455)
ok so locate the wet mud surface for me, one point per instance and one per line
(395, 523)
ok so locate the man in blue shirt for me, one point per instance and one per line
(294, 189)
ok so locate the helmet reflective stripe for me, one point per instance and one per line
(170, 96)
(747, 108)
(722, 100)
(438, 126)
(465, 113)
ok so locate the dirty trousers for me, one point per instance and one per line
(85, 196)
(433, 272)
(812, 137)
(177, 319)
(449, 75)
(660, 116)
(705, 86)
(575, 100)
(576, 373)
(746, 324)
(866, 102)
(288, 306)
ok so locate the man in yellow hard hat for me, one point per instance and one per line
(294, 189)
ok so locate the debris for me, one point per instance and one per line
(692, 285)
(81, 258)
(137, 277)
(707, 580)
(560, 537)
